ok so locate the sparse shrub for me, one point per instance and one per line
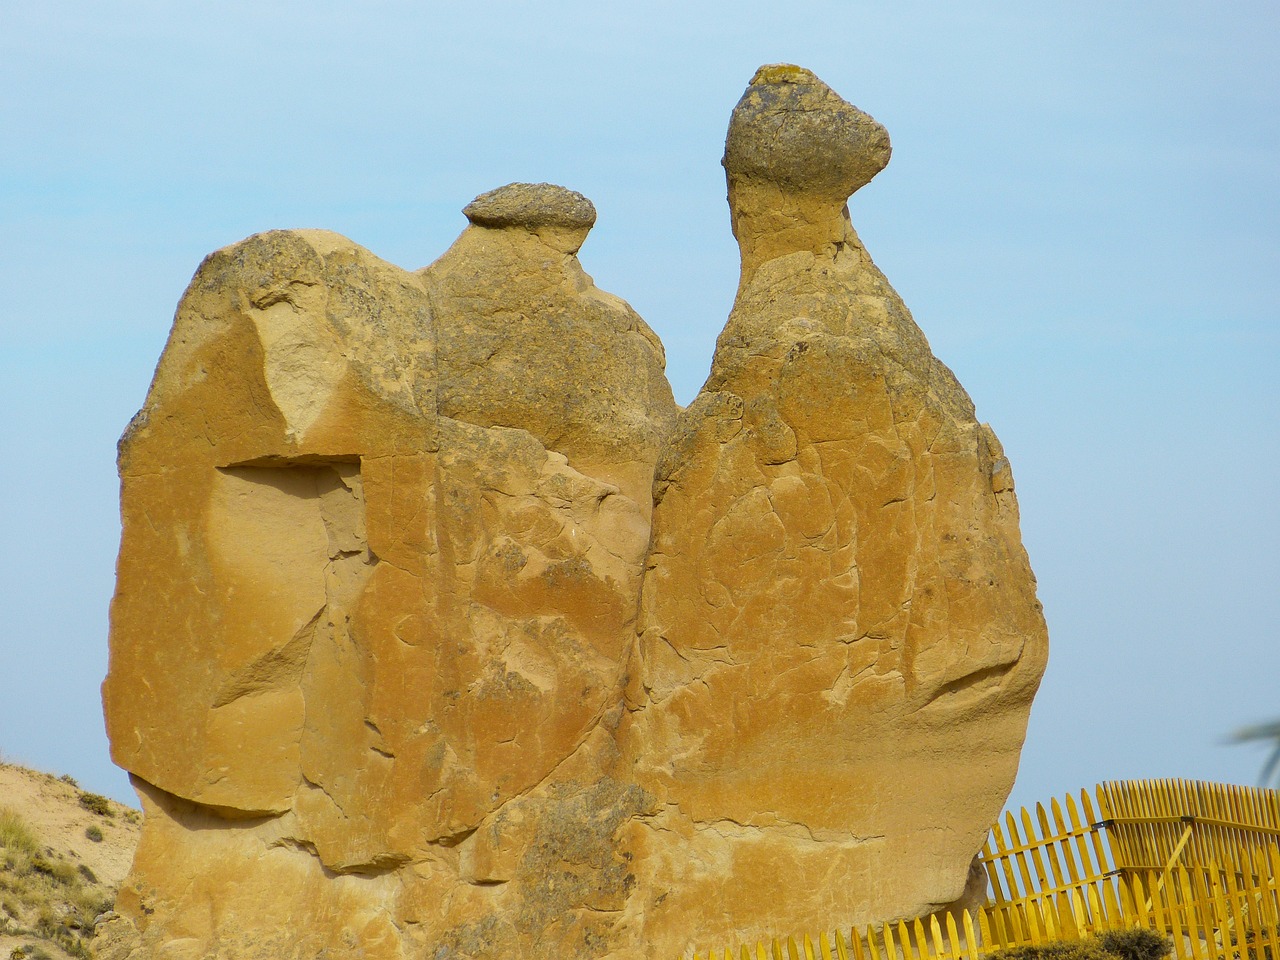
(93, 833)
(59, 872)
(1123, 944)
(68, 778)
(15, 835)
(1057, 950)
(95, 803)
(39, 864)
(18, 953)
(1136, 944)
(45, 894)
(64, 874)
(47, 924)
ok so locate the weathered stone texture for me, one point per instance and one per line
(441, 631)
(383, 536)
(840, 636)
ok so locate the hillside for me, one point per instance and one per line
(63, 854)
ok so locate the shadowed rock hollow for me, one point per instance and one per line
(441, 631)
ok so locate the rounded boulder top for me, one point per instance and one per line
(532, 205)
(792, 129)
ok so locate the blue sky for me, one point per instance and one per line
(1082, 211)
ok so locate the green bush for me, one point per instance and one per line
(1123, 944)
(95, 803)
(47, 925)
(44, 894)
(15, 835)
(59, 872)
(38, 864)
(1136, 944)
(94, 834)
(1057, 950)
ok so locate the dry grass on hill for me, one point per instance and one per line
(63, 853)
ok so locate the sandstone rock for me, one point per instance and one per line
(383, 536)
(514, 305)
(441, 631)
(840, 635)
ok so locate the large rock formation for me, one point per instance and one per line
(383, 536)
(413, 654)
(839, 631)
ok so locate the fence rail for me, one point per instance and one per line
(1199, 862)
(1153, 823)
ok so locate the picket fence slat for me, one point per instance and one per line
(855, 944)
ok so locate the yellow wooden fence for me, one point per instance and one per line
(1199, 862)
(1153, 823)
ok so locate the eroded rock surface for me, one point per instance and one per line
(383, 538)
(441, 632)
(839, 632)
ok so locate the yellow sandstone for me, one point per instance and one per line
(840, 637)
(441, 631)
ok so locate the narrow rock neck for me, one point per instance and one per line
(770, 222)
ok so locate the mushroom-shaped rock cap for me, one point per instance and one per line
(791, 129)
(532, 205)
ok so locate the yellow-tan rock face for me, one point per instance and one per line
(441, 632)
(839, 632)
(376, 583)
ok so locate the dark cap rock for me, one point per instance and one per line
(792, 129)
(532, 205)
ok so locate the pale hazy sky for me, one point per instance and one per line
(1082, 211)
